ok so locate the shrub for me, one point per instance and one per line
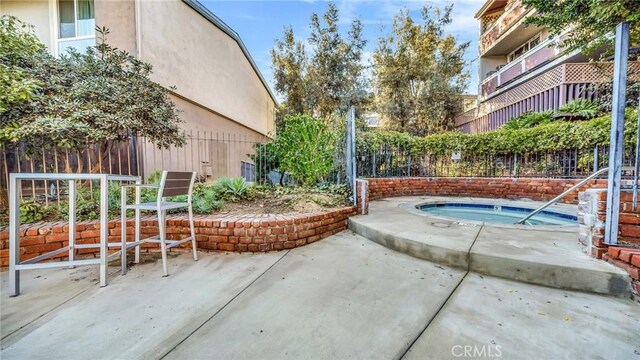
(305, 148)
(265, 159)
(583, 108)
(529, 120)
(231, 188)
(33, 211)
(205, 199)
(554, 136)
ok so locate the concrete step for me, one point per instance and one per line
(543, 257)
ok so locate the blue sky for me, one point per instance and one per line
(260, 23)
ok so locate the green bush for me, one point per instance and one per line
(232, 188)
(583, 108)
(33, 211)
(529, 120)
(305, 148)
(265, 159)
(554, 136)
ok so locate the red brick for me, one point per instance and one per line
(226, 247)
(625, 254)
(613, 252)
(635, 260)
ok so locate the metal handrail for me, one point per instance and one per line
(557, 198)
(571, 189)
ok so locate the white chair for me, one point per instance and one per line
(172, 183)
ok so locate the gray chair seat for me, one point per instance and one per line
(164, 205)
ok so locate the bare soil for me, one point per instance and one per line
(298, 203)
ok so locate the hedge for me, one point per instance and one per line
(555, 136)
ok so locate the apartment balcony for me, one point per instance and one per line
(547, 90)
(532, 59)
(502, 33)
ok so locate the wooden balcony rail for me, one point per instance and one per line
(512, 15)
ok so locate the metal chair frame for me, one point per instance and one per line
(172, 183)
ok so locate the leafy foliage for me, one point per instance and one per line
(206, 199)
(553, 136)
(419, 74)
(591, 21)
(17, 42)
(88, 98)
(305, 148)
(232, 188)
(329, 78)
(583, 108)
(33, 211)
(266, 159)
(529, 120)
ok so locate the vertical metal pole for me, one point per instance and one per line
(595, 158)
(634, 203)
(617, 132)
(123, 230)
(104, 231)
(354, 175)
(137, 229)
(14, 235)
(349, 157)
(72, 220)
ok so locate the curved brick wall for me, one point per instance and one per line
(506, 188)
(231, 232)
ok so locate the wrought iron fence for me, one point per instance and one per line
(113, 158)
(391, 161)
(212, 155)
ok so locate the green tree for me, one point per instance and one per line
(17, 42)
(99, 97)
(590, 21)
(305, 148)
(289, 65)
(419, 74)
(330, 77)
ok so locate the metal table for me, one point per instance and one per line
(15, 265)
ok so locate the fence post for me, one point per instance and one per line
(617, 132)
(351, 153)
(515, 165)
(595, 158)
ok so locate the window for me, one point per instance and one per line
(77, 21)
(530, 44)
(248, 171)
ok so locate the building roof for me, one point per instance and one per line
(217, 22)
(489, 6)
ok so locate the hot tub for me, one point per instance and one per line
(508, 213)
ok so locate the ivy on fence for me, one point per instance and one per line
(555, 136)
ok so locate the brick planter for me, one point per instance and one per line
(252, 233)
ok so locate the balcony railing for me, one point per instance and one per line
(512, 15)
(540, 54)
(568, 74)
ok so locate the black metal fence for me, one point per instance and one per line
(391, 161)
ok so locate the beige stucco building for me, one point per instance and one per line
(218, 86)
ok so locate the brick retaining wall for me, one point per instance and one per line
(506, 188)
(592, 216)
(253, 233)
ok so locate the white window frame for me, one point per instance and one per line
(55, 20)
(537, 36)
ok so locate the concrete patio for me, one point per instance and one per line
(342, 297)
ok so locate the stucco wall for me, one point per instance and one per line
(206, 66)
(35, 13)
(120, 18)
(204, 63)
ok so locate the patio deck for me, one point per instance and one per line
(342, 297)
